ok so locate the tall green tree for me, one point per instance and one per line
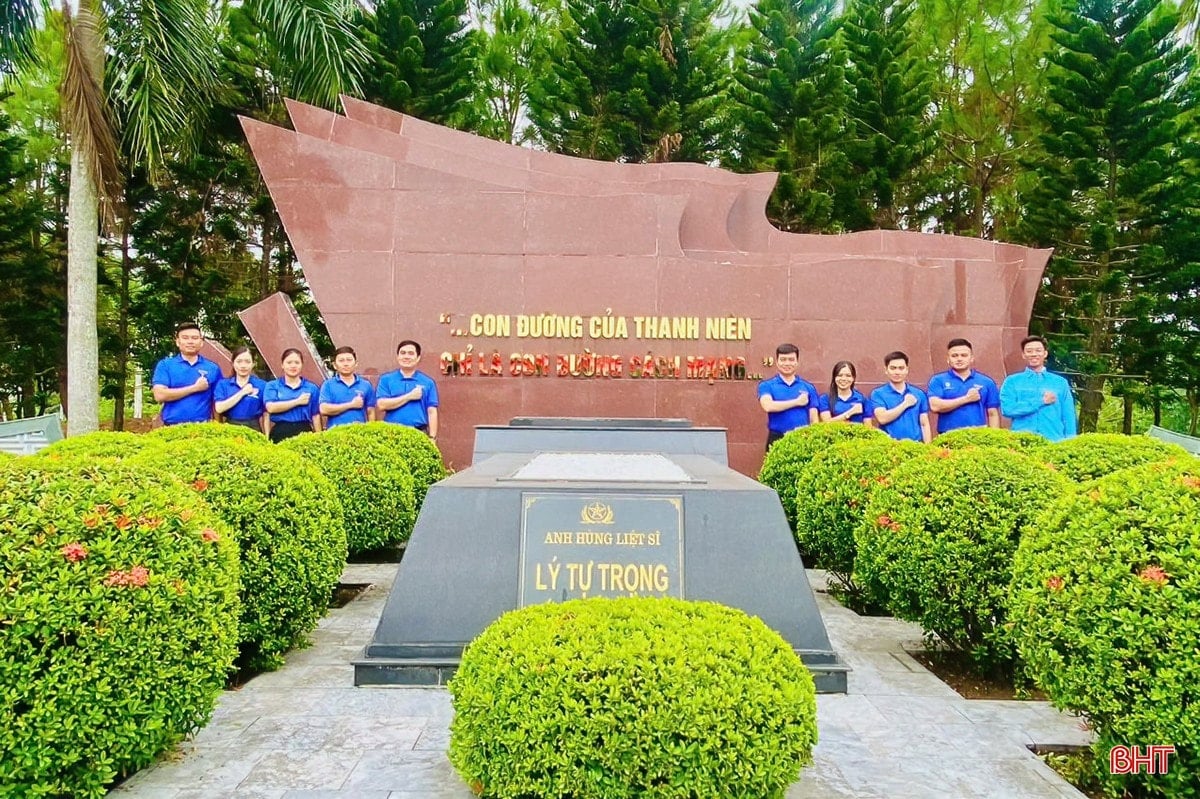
(422, 58)
(890, 129)
(512, 49)
(791, 102)
(1102, 192)
(986, 57)
(635, 81)
(32, 302)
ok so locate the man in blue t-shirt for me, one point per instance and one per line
(789, 400)
(183, 383)
(901, 410)
(961, 396)
(347, 398)
(407, 396)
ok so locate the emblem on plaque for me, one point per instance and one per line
(596, 513)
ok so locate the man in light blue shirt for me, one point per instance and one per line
(1037, 400)
(183, 383)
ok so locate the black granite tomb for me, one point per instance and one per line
(555, 509)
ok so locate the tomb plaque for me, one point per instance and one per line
(586, 544)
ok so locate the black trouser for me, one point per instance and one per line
(284, 430)
(772, 437)
(253, 422)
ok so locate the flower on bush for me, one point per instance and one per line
(288, 524)
(947, 563)
(1124, 659)
(788, 457)
(96, 687)
(1054, 583)
(137, 577)
(1154, 574)
(210, 535)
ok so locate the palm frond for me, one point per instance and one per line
(86, 115)
(324, 55)
(18, 23)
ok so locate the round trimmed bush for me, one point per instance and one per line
(1093, 455)
(1106, 612)
(939, 539)
(207, 430)
(990, 437)
(633, 697)
(409, 444)
(100, 444)
(832, 494)
(789, 455)
(118, 621)
(374, 486)
(288, 523)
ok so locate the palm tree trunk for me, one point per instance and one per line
(83, 350)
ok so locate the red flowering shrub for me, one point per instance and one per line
(101, 444)
(118, 621)
(832, 494)
(1105, 606)
(938, 540)
(407, 444)
(288, 526)
(1093, 455)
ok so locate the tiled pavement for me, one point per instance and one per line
(304, 732)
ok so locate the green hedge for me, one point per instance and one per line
(940, 536)
(414, 447)
(832, 494)
(990, 437)
(374, 486)
(288, 523)
(789, 455)
(634, 697)
(118, 621)
(1093, 455)
(101, 444)
(1106, 612)
(207, 430)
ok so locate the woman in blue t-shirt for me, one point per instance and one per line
(844, 402)
(292, 401)
(239, 399)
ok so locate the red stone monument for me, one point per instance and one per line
(545, 285)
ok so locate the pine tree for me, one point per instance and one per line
(890, 130)
(1102, 191)
(423, 58)
(635, 81)
(512, 53)
(790, 91)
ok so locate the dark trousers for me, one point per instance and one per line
(281, 431)
(254, 423)
(772, 437)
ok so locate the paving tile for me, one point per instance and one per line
(301, 768)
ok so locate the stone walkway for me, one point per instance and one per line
(304, 732)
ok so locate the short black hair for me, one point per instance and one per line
(895, 356)
(405, 343)
(341, 350)
(959, 342)
(1031, 339)
(188, 325)
(787, 349)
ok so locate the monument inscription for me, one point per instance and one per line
(576, 545)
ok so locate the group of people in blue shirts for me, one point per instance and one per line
(1036, 400)
(192, 388)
